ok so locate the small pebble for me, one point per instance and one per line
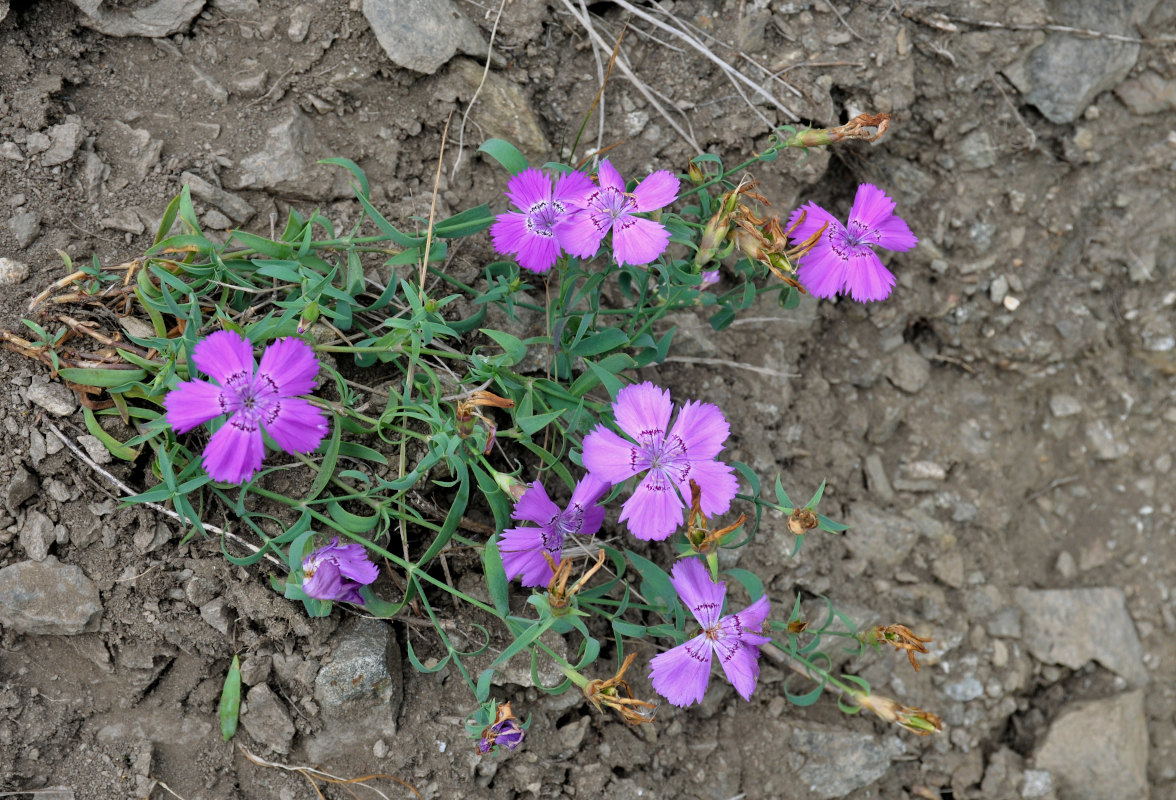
(12, 272)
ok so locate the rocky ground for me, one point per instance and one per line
(998, 434)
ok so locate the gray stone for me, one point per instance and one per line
(124, 220)
(949, 569)
(976, 150)
(256, 669)
(64, 141)
(1064, 405)
(836, 762)
(1036, 783)
(94, 448)
(237, 8)
(1075, 626)
(234, 207)
(1064, 74)
(48, 597)
(37, 535)
(359, 690)
(422, 35)
(216, 221)
(265, 719)
(13, 272)
(965, 690)
(53, 397)
(1107, 443)
(300, 19)
(502, 110)
(1148, 94)
(11, 151)
(1098, 750)
(216, 614)
(21, 487)
(908, 370)
(879, 538)
(200, 590)
(3, 9)
(25, 227)
(284, 164)
(1002, 775)
(1005, 623)
(153, 19)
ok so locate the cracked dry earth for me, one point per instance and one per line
(999, 434)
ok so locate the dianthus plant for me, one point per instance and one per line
(527, 471)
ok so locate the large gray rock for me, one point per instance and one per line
(286, 164)
(1073, 627)
(154, 19)
(265, 719)
(502, 110)
(48, 597)
(832, 763)
(359, 690)
(422, 35)
(1098, 750)
(1066, 72)
(37, 535)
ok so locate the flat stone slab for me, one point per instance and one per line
(48, 597)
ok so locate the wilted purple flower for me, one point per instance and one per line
(608, 207)
(688, 451)
(530, 233)
(843, 260)
(522, 548)
(681, 675)
(507, 733)
(337, 571)
(255, 398)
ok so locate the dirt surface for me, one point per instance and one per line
(1003, 424)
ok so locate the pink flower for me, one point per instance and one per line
(669, 460)
(255, 398)
(608, 207)
(337, 571)
(681, 675)
(530, 233)
(522, 548)
(843, 260)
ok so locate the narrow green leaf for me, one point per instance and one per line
(103, 378)
(512, 345)
(505, 154)
(364, 189)
(116, 448)
(230, 701)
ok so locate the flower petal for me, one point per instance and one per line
(822, 271)
(294, 424)
(814, 218)
(643, 410)
(748, 624)
(580, 234)
(191, 404)
(655, 509)
(326, 583)
(235, 452)
(657, 190)
(608, 177)
(528, 187)
(522, 554)
(740, 661)
(288, 368)
(680, 675)
(638, 241)
(354, 563)
(586, 495)
(698, 592)
(866, 278)
(535, 506)
(873, 215)
(718, 483)
(572, 187)
(702, 428)
(223, 354)
(610, 458)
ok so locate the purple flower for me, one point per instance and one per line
(529, 233)
(688, 451)
(506, 733)
(522, 548)
(609, 207)
(843, 260)
(336, 571)
(255, 398)
(682, 674)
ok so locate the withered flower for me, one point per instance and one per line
(701, 538)
(915, 720)
(558, 595)
(899, 637)
(617, 695)
(802, 520)
(467, 411)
